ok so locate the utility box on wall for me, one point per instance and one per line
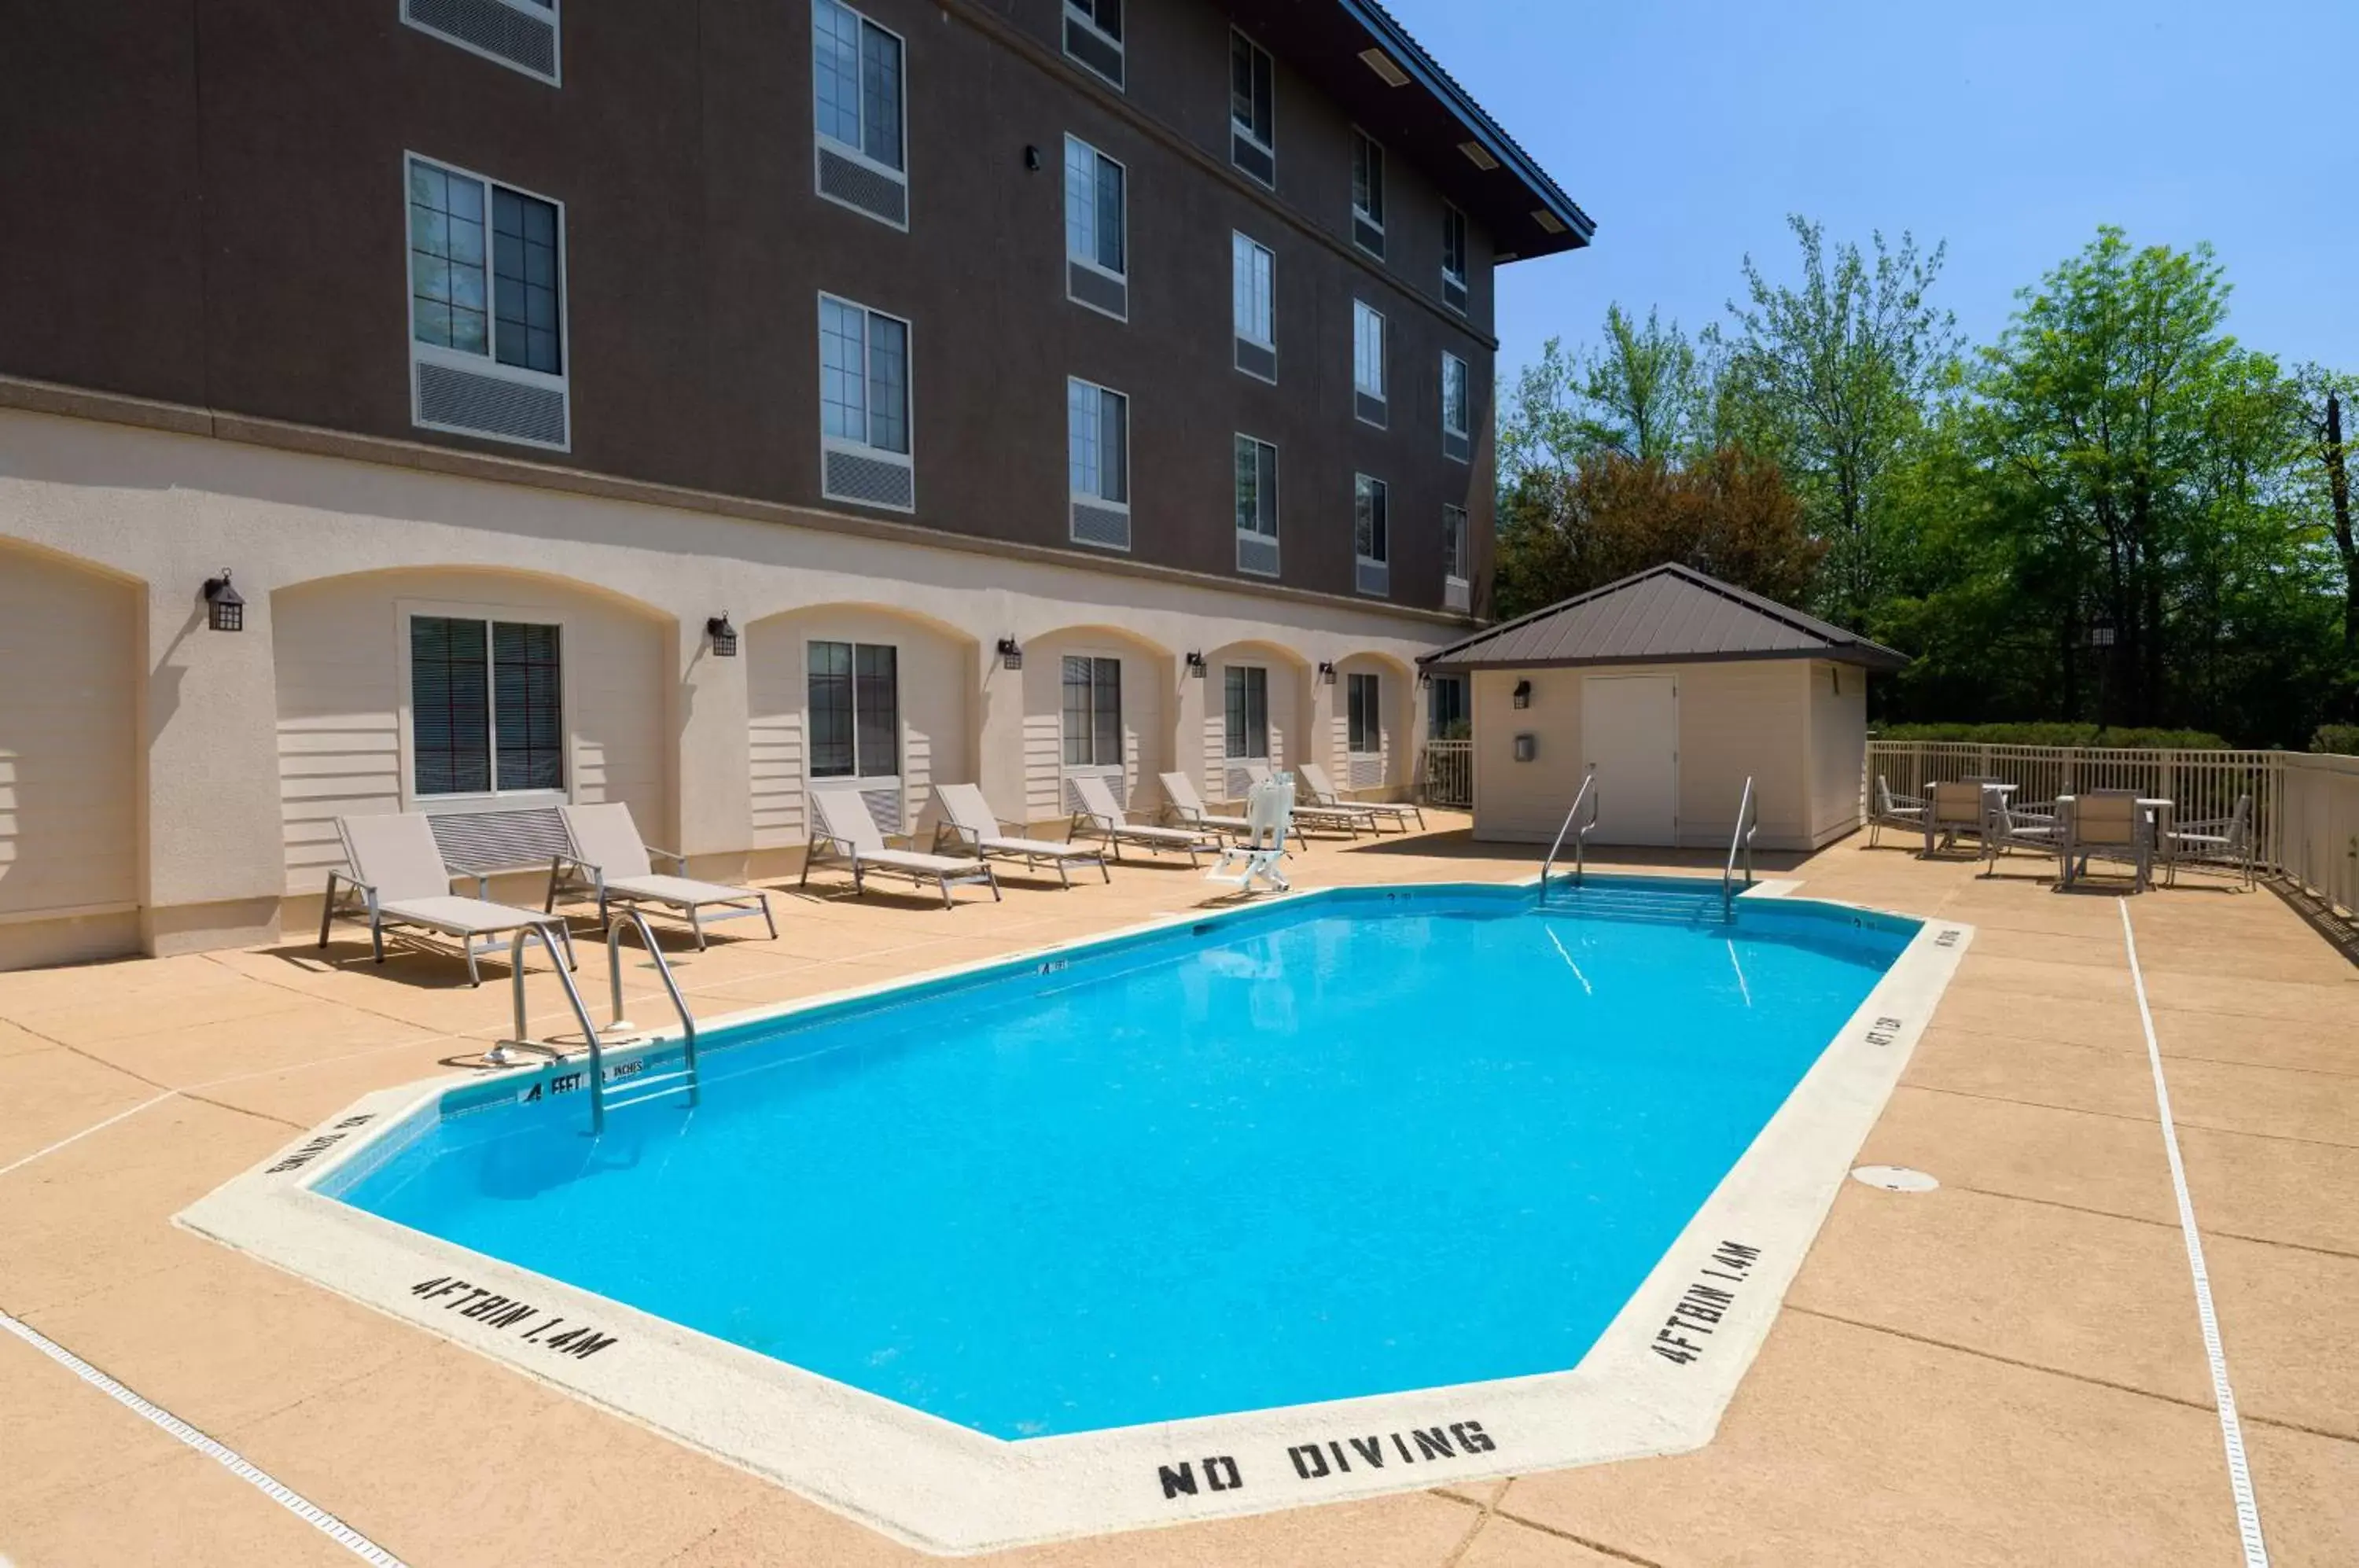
(1527, 746)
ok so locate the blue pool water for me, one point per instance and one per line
(1338, 1147)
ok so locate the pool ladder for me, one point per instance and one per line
(618, 1029)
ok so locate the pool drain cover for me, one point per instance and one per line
(1893, 1178)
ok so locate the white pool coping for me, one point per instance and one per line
(1656, 1381)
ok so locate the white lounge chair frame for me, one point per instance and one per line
(398, 880)
(1894, 812)
(1102, 819)
(611, 864)
(968, 821)
(843, 831)
(1324, 796)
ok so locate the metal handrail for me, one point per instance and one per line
(1748, 823)
(630, 917)
(1580, 840)
(572, 995)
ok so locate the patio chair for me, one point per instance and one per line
(2220, 841)
(2108, 823)
(1955, 807)
(1269, 811)
(2010, 828)
(968, 821)
(1894, 812)
(843, 831)
(1307, 815)
(1323, 794)
(398, 878)
(1179, 795)
(1101, 818)
(611, 864)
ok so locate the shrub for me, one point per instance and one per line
(2342, 739)
(2056, 733)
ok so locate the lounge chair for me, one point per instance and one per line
(844, 831)
(1323, 795)
(1179, 794)
(1269, 813)
(2011, 828)
(1101, 818)
(1321, 819)
(610, 863)
(399, 878)
(968, 821)
(1954, 808)
(2221, 841)
(2108, 823)
(1894, 812)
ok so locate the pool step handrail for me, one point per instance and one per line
(646, 1088)
(1587, 792)
(522, 1039)
(1748, 823)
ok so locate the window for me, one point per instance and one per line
(1093, 712)
(1094, 214)
(1453, 259)
(1247, 690)
(1446, 715)
(1253, 271)
(1364, 701)
(1457, 442)
(1367, 195)
(864, 403)
(1093, 35)
(1457, 560)
(1371, 530)
(1098, 428)
(486, 304)
(1257, 506)
(856, 711)
(486, 710)
(1368, 363)
(519, 34)
(1253, 109)
(856, 101)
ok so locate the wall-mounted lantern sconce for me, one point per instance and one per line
(723, 636)
(1010, 656)
(1327, 674)
(1197, 666)
(1424, 676)
(1032, 159)
(224, 606)
(1527, 746)
(1523, 693)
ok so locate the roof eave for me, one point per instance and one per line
(1864, 656)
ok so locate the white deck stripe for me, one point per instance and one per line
(2232, 1431)
(326, 1523)
(94, 1126)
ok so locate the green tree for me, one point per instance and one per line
(2328, 401)
(1638, 392)
(1831, 378)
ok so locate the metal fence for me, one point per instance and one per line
(2305, 807)
(1446, 774)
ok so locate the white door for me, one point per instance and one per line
(1629, 731)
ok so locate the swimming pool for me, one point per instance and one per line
(1363, 1151)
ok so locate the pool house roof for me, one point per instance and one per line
(1666, 614)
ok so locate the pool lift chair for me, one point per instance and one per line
(1270, 818)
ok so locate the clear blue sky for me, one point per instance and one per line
(2010, 128)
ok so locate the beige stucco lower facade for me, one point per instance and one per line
(1796, 728)
(166, 787)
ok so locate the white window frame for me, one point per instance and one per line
(1092, 500)
(1255, 247)
(859, 782)
(859, 155)
(827, 442)
(1267, 504)
(1384, 491)
(1072, 13)
(1373, 721)
(1119, 768)
(1359, 213)
(1457, 545)
(1236, 129)
(495, 799)
(1463, 430)
(1263, 754)
(1073, 143)
(550, 13)
(1362, 313)
(488, 362)
(1449, 213)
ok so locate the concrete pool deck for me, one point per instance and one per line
(2007, 1369)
